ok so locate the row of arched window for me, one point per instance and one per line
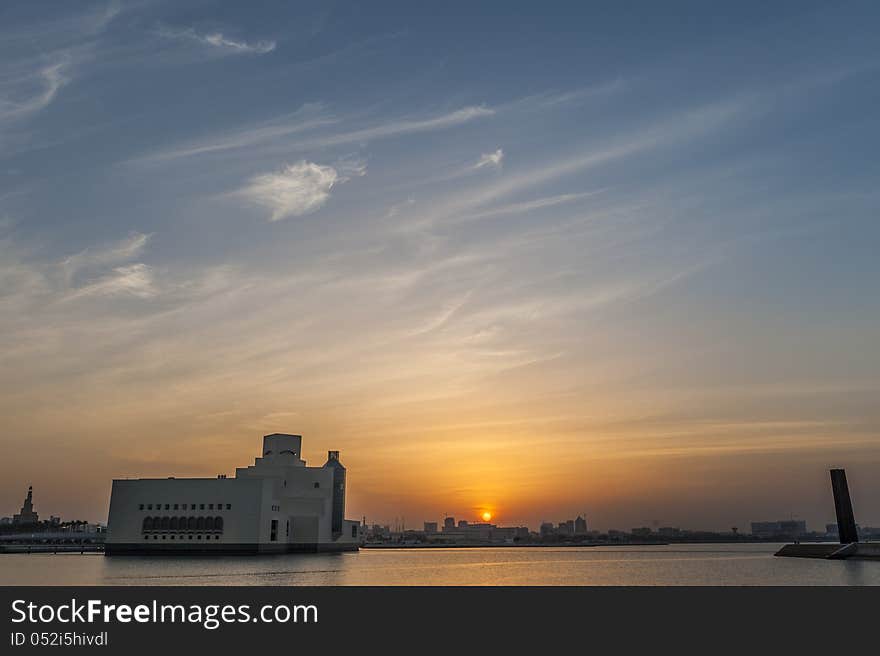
(182, 524)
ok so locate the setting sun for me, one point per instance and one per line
(487, 516)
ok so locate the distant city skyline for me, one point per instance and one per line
(534, 261)
(576, 526)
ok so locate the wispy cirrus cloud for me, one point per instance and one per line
(297, 189)
(561, 99)
(404, 126)
(91, 259)
(528, 206)
(219, 41)
(30, 80)
(679, 128)
(135, 280)
(491, 160)
(31, 91)
(311, 117)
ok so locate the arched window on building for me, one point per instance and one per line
(209, 523)
(218, 524)
(173, 524)
(166, 522)
(200, 524)
(147, 524)
(191, 524)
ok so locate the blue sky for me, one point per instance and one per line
(463, 241)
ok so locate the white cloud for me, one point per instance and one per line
(529, 206)
(297, 189)
(351, 167)
(259, 47)
(92, 258)
(220, 41)
(310, 117)
(130, 280)
(103, 271)
(551, 100)
(404, 126)
(490, 159)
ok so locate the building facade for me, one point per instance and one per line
(276, 505)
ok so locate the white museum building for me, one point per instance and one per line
(276, 505)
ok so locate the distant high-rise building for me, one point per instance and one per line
(566, 527)
(430, 527)
(765, 529)
(642, 531)
(547, 529)
(462, 523)
(580, 526)
(27, 514)
(379, 531)
(449, 524)
(668, 531)
(785, 528)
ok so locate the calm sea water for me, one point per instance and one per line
(739, 564)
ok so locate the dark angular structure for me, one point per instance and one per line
(337, 515)
(846, 523)
(849, 546)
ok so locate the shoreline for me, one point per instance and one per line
(483, 545)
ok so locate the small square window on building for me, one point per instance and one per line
(228, 506)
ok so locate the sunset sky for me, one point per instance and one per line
(520, 258)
